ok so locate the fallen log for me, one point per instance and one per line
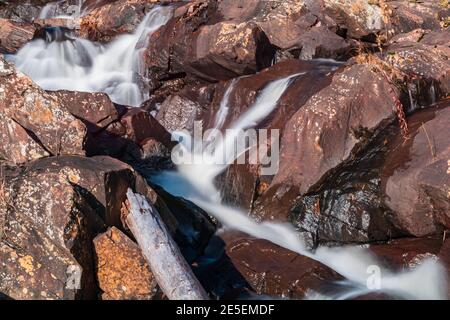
(172, 272)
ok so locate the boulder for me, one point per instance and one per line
(95, 109)
(406, 253)
(14, 36)
(415, 178)
(190, 43)
(321, 138)
(122, 271)
(360, 18)
(22, 11)
(105, 22)
(236, 265)
(46, 229)
(405, 16)
(26, 108)
(52, 208)
(427, 63)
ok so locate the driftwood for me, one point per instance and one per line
(172, 272)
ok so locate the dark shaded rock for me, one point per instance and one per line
(26, 108)
(236, 265)
(122, 271)
(14, 36)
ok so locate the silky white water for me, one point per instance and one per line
(196, 183)
(63, 61)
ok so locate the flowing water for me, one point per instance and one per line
(63, 61)
(196, 183)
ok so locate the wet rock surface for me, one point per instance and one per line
(323, 135)
(240, 266)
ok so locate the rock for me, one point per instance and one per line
(235, 263)
(427, 62)
(37, 113)
(320, 42)
(47, 227)
(406, 253)
(107, 21)
(52, 208)
(415, 175)
(240, 184)
(21, 11)
(122, 271)
(14, 36)
(178, 113)
(89, 5)
(360, 18)
(95, 109)
(65, 23)
(191, 44)
(323, 136)
(406, 16)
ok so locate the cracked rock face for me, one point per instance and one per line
(26, 108)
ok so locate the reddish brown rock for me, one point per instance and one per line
(113, 18)
(405, 16)
(14, 36)
(415, 176)
(122, 272)
(332, 125)
(52, 208)
(426, 61)
(46, 232)
(406, 253)
(40, 114)
(209, 51)
(360, 18)
(237, 262)
(95, 109)
(444, 258)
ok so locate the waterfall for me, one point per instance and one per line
(66, 62)
(196, 183)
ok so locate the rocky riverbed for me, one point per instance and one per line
(92, 92)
